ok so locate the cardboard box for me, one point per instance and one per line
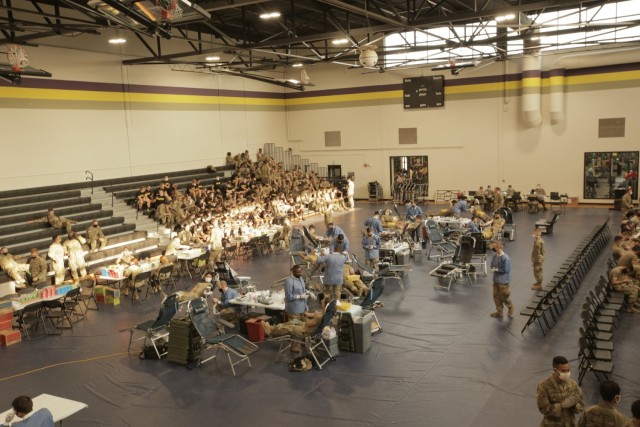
(100, 290)
(113, 300)
(6, 307)
(9, 337)
(6, 316)
(4, 325)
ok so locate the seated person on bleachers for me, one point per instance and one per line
(95, 237)
(297, 328)
(622, 281)
(228, 311)
(55, 221)
(12, 268)
(38, 268)
(353, 284)
(22, 406)
(143, 198)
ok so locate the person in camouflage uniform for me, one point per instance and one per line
(559, 398)
(605, 414)
(95, 237)
(55, 221)
(537, 258)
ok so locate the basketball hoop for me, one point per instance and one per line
(17, 58)
(169, 9)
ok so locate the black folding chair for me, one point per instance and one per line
(212, 334)
(371, 301)
(448, 272)
(155, 330)
(313, 340)
(30, 317)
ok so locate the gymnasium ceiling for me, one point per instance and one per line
(230, 35)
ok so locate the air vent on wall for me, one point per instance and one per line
(332, 138)
(408, 135)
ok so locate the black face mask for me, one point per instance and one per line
(95, 225)
(494, 249)
(221, 290)
(5, 253)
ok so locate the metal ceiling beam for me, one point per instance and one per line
(138, 17)
(355, 9)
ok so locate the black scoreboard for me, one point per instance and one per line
(423, 92)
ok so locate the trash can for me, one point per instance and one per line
(362, 331)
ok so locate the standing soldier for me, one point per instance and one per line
(55, 221)
(95, 237)
(56, 253)
(75, 252)
(537, 258)
(558, 397)
(501, 268)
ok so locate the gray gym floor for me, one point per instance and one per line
(440, 361)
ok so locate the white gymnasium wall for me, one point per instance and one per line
(470, 142)
(48, 146)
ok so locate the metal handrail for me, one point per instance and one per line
(89, 178)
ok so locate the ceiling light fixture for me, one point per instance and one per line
(505, 17)
(297, 65)
(117, 40)
(340, 41)
(270, 15)
(212, 58)
(294, 81)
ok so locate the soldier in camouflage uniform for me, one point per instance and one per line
(13, 268)
(559, 397)
(55, 221)
(295, 327)
(605, 414)
(95, 237)
(537, 258)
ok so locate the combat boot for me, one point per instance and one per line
(536, 286)
(497, 313)
(510, 312)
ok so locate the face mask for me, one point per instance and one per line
(95, 225)
(494, 249)
(207, 279)
(564, 376)
(221, 290)
(5, 253)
